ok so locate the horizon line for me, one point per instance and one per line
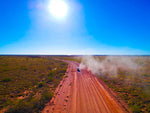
(68, 55)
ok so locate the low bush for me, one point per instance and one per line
(6, 80)
(40, 84)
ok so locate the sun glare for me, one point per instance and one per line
(58, 8)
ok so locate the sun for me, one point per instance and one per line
(58, 8)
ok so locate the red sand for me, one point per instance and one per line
(81, 92)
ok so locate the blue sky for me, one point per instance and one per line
(111, 27)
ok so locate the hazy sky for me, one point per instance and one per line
(112, 27)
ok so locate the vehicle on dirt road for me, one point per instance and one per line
(78, 69)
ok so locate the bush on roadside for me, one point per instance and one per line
(6, 80)
(32, 106)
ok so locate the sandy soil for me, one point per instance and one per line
(81, 92)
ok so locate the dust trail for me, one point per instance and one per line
(110, 65)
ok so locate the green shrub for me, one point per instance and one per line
(42, 75)
(50, 79)
(46, 96)
(135, 108)
(52, 73)
(6, 80)
(5, 70)
(61, 74)
(20, 107)
(41, 84)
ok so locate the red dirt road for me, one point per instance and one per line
(81, 92)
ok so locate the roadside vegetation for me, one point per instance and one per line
(27, 83)
(132, 85)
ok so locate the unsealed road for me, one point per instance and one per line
(81, 92)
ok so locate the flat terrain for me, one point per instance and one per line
(27, 83)
(81, 92)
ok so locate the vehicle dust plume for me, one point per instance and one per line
(108, 65)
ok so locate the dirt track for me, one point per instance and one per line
(81, 92)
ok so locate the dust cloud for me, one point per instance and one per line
(107, 65)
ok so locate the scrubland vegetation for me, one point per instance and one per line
(133, 85)
(70, 58)
(27, 83)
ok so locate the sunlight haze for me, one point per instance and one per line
(75, 27)
(58, 8)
